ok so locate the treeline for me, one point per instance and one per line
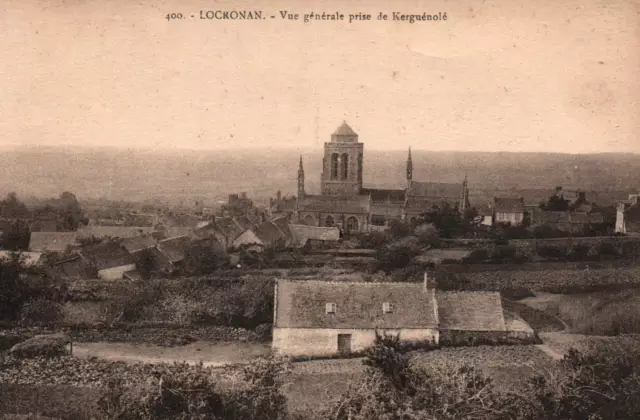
(17, 220)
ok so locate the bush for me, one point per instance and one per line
(186, 392)
(40, 313)
(398, 254)
(374, 240)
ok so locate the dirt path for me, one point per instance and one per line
(550, 352)
(210, 354)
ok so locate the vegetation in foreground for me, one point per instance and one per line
(600, 382)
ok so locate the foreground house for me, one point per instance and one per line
(314, 318)
(320, 318)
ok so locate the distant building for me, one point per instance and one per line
(345, 203)
(508, 210)
(628, 216)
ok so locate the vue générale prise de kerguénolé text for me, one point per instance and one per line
(309, 17)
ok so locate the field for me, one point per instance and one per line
(601, 313)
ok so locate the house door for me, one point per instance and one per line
(344, 343)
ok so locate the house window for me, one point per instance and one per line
(387, 307)
(330, 308)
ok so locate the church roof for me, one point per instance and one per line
(344, 130)
(435, 189)
(378, 194)
(329, 204)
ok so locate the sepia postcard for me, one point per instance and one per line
(320, 209)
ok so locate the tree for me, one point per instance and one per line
(70, 213)
(12, 208)
(447, 219)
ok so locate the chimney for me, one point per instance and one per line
(428, 281)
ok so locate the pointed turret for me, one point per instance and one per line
(409, 167)
(301, 193)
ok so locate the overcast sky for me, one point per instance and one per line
(498, 75)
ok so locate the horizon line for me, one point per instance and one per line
(67, 146)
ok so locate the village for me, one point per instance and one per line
(315, 278)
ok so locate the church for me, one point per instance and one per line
(345, 203)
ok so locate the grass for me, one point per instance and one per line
(599, 313)
(58, 401)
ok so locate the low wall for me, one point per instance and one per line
(454, 338)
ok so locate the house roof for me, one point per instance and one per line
(470, 311)
(107, 255)
(384, 195)
(175, 248)
(52, 241)
(302, 304)
(138, 243)
(328, 204)
(244, 222)
(344, 130)
(285, 204)
(133, 275)
(228, 227)
(268, 233)
(300, 234)
(508, 205)
(283, 225)
(435, 189)
(113, 231)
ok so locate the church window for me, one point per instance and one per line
(344, 163)
(334, 166)
(329, 222)
(359, 166)
(352, 224)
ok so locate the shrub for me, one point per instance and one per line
(40, 313)
(398, 254)
(187, 392)
(374, 240)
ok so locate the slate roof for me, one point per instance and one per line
(175, 248)
(268, 233)
(113, 231)
(302, 304)
(52, 241)
(107, 255)
(328, 204)
(138, 243)
(470, 311)
(283, 224)
(301, 234)
(384, 195)
(508, 205)
(228, 227)
(435, 189)
(344, 130)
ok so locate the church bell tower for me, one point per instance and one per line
(342, 163)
